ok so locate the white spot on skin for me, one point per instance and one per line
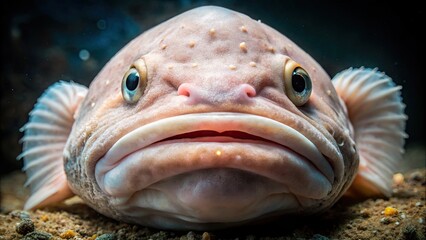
(270, 49)
(252, 64)
(218, 153)
(232, 67)
(328, 92)
(107, 82)
(170, 66)
(93, 104)
(243, 46)
(212, 32)
(195, 65)
(191, 44)
(163, 46)
(243, 29)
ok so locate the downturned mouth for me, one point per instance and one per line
(215, 128)
(208, 135)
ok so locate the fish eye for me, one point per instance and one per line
(297, 83)
(134, 82)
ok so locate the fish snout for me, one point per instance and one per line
(241, 94)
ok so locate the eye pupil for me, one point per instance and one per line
(298, 80)
(132, 80)
(298, 83)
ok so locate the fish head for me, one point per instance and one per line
(210, 119)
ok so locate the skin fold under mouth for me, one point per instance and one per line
(182, 144)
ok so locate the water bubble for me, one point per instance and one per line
(84, 54)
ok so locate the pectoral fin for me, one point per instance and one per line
(46, 134)
(376, 112)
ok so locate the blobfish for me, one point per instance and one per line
(212, 120)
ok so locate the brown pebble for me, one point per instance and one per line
(365, 213)
(25, 226)
(36, 235)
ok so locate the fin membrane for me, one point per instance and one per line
(376, 112)
(46, 134)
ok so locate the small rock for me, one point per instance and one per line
(365, 213)
(319, 237)
(25, 226)
(36, 235)
(107, 236)
(416, 176)
(385, 220)
(190, 235)
(398, 178)
(206, 236)
(21, 214)
(410, 232)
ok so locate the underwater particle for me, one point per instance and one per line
(232, 67)
(101, 24)
(84, 54)
(328, 92)
(206, 236)
(252, 64)
(398, 178)
(68, 234)
(25, 226)
(243, 29)
(36, 235)
(243, 46)
(194, 65)
(107, 236)
(163, 46)
(390, 211)
(191, 44)
(421, 220)
(419, 204)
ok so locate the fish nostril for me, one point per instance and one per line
(248, 90)
(184, 90)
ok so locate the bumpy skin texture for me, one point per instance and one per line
(198, 48)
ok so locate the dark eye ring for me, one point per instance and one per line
(134, 82)
(297, 83)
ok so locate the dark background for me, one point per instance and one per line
(41, 42)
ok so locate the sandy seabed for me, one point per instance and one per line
(402, 216)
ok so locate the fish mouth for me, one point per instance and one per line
(186, 144)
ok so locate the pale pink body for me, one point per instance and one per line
(213, 139)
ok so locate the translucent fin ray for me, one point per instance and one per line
(44, 140)
(376, 112)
